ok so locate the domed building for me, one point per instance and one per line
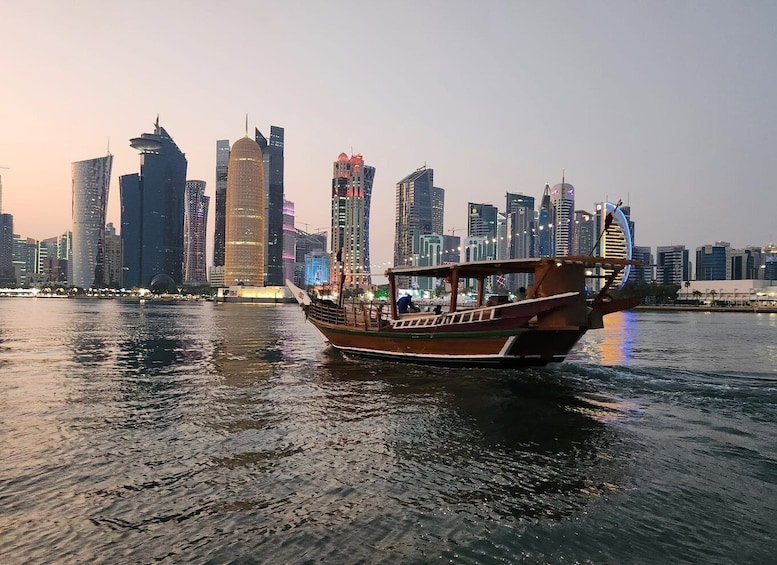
(163, 284)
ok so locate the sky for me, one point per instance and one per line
(670, 106)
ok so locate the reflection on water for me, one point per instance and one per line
(202, 433)
(247, 342)
(617, 338)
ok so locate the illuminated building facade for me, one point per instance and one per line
(451, 249)
(585, 234)
(482, 223)
(316, 268)
(195, 219)
(152, 209)
(91, 181)
(306, 243)
(245, 229)
(616, 241)
(351, 194)
(562, 207)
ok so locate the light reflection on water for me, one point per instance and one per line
(200, 433)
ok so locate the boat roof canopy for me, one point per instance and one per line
(482, 269)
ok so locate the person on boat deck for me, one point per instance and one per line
(405, 304)
(521, 294)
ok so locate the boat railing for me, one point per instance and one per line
(369, 316)
(461, 317)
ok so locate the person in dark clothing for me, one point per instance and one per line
(404, 304)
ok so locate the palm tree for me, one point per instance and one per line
(697, 295)
(713, 292)
(687, 286)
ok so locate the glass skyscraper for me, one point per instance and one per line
(414, 213)
(222, 166)
(152, 209)
(91, 181)
(713, 262)
(272, 154)
(545, 243)
(195, 219)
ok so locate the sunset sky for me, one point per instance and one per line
(670, 106)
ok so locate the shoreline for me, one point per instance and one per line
(682, 308)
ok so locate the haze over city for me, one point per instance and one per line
(668, 106)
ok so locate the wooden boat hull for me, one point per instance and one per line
(495, 348)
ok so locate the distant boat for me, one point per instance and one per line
(538, 330)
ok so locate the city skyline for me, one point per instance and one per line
(667, 107)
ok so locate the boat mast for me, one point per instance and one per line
(454, 289)
(392, 295)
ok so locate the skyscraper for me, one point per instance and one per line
(642, 272)
(414, 213)
(351, 193)
(545, 242)
(615, 242)
(245, 233)
(672, 265)
(713, 262)
(585, 234)
(438, 209)
(7, 274)
(152, 207)
(482, 222)
(195, 220)
(562, 201)
(91, 181)
(272, 154)
(289, 240)
(112, 247)
(222, 165)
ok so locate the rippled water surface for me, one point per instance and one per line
(190, 432)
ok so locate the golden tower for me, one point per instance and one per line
(245, 216)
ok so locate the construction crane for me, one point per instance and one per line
(454, 230)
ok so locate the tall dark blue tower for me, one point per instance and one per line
(272, 153)
(545, 228)
(152, 209)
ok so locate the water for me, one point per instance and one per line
(190, 432)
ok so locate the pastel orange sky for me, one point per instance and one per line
(667, 105)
